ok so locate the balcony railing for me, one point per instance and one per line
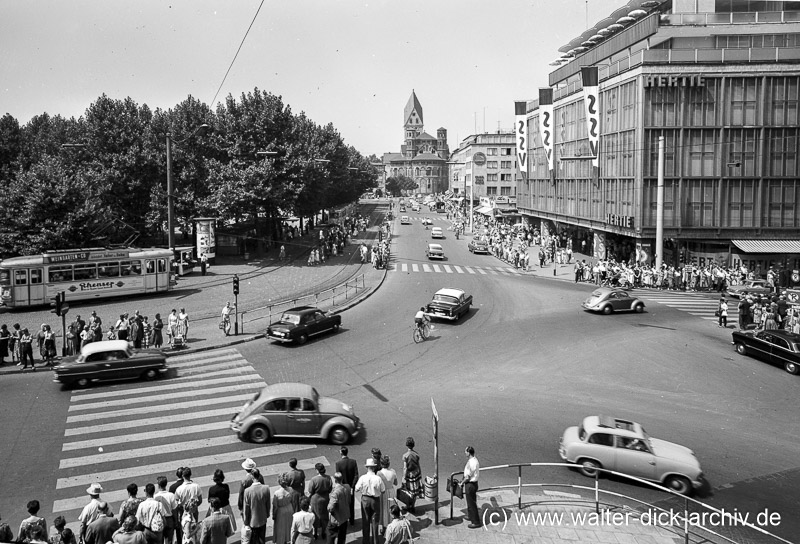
(730, 18)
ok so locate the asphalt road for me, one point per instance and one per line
(526, 363)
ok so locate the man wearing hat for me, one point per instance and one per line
(249, 466)
(91, 511)
(371, 487)
(744, 312)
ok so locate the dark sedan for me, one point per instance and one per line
(110, 360)
(777, 347)
(299, 324)
(607, 300)
(476, 245)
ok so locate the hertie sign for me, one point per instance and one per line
(625, 221)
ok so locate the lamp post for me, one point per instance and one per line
(199, 131)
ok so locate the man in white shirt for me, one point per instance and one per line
(371, 487)
(91, 511)
(471, 473)
(170, 504)
(148, 512)
(189, 496)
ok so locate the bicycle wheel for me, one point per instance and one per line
(426, 330)
(417, 335)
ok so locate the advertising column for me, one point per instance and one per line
(206, 238)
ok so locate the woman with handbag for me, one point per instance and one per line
(390, 496)
(412, 473)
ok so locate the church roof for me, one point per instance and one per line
(391, 157)
(427, 157)
(411, 105)
(425, 136)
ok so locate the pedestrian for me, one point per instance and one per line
(14, 345)
(222, 492)
(203, 264)
(122, 327)
(370, 486)
(158, 327)
(256, 509)
(147, 333)
(339, 510)
(178, 513)
(471, 473)
(349, 469)
(303, 524)
(111, 334)
(217, 527)
(723, 312)
(25, 528)
(130, 505)
(5, 532)
(5, 337)
(282, 511)
(319, 490)
(38, 535)
(170, 504)
(136, 331)
(282, 253)
(91, 511)
(151, 515)
(26, 352)
(127, 534)
(412, 474)
(297, 478)
(399, 530)
(96, 327)
(249, 466)
(183, 324)
(102, 529)
(172, 326)
(744, 312)
(389, 497)
(190, 497)
(61, 533)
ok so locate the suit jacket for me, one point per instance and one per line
(216, 528)
(256, 505)
(339, 504)
(297, 480)
(349, 469)
(101, 530)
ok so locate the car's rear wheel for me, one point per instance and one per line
(302, 339)
(339, 436)
(258, 434)
(150, 374)
(607, 309)
(639, 308)
(82, 383)
(679, 484)
(589, 467)
(740, 349)
(336, 327)
(791, 368)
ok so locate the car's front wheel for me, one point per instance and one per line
(607, 309)
(339, 436)
(791, 368)
(589, 467)
(83, 383)
(302, 339)
(336, 328)
(258, 434)
(679, 484)
(150, 374)
(740, 349)
(639, 308)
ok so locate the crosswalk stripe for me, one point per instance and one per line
(169, 466)
(129, 437)
(481, 271)
(436, 268)
(208, 354)
(470, 270)
(426, 268)
(190, 371)
(205, 361)
(141, 399)
(151, 409)
(415, 268)
(150, 421)
(172, 386)
(405, 267)
(458, 269)
(447, 269)
(135, 453)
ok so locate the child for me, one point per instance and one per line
(111, 334)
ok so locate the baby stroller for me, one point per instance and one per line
(177, 339)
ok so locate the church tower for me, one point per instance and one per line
(412, 125)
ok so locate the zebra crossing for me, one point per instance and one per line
(695, 304)
(419, 218)
(441, 268)
(138, 431)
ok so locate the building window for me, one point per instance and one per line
(782, 201)
(491, 191)
(700, 153)
(702, 104)
(782, 153)
(428, 171)
(699, 211)
(740, 195)
(744, 98)
(507, 151)
(782, 100)
(505, 191)
(416, 174)
(670, 145)
(743, 148)
(505, 177)
(491, 165)
(505, 164)
(629, 102)
(491, 177)
(662, 106)
(492, 151)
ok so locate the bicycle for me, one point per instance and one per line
(422, 332)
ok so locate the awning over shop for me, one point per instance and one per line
(458, 199)
(485, 210)
(768, 246)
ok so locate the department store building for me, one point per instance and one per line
(719, 81)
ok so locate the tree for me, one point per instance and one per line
(396, 184)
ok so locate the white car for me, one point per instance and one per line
(434, 251)
(404, 220)
(436, 232)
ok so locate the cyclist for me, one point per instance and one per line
(420, 319)
(226, 317)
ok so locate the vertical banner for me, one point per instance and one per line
(591, 98)
(206, 237)
(546, 123)
(522, 138)
(435, 424)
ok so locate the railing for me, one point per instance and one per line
(327, 299)
(686, 520)
(730, 18)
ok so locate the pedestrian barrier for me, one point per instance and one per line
(681, 517)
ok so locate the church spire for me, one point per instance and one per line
(412, 115)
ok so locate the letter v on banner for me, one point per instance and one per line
(591, 99)
(521, 128)
(546, 125)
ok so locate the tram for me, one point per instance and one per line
(84, 274)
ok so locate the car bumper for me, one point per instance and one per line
(432, 256)
(441, 315)
(589, 307)
(282, 339)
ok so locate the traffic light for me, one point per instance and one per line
(57, 304)
(235, 285)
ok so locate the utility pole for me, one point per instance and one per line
(660, 205)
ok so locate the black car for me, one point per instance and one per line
(298, 324)
(773, 346)
(110, 360)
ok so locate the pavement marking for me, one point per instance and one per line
(415, 268)
(481, 271)
(149, 435)
(436, 268)
(151, 409)
(189, 371)
(172, 386)
(458, 269)
(426, 268)
(375, 392)
(405, 267)
(192, 393)
(207, 354)
(168, 467)
(447, 268)
(468, 269)
(150, 421)
(135, 453)
(205, 361)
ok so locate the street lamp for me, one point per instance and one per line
(199, 131)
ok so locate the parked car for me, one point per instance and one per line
(603, 442)
(427, 221)
(434, 251)
(296, 410)
(404, 220)
(750, 287)
(609, 299)
(402, 208)
(778, 347)
(299, 324)
(449, 303)
(436, 232)
(478, 245)
(110, 360)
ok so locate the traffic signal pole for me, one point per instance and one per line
(235, 304)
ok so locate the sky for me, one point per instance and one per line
(347, 62)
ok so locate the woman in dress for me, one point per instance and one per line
(24, 533)
(282, 512)
(5, 336)
(771, 319)
(303, 524)
(172, 325)
(388, 498)
(13, 344)
(48, 345)
(757, 314)
(158, 327)
(319, 490)
(412, 473)
(222, 492)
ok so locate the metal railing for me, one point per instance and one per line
(328, 299)
(687, 526)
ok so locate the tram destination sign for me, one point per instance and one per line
(72, 256)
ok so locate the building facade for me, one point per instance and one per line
(422, 157)
(719, 81)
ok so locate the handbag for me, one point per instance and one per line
(404, 496)
(454, 487)
(157, 523)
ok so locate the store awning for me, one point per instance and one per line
(485, 210)
(768, 246)
(458, 199)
